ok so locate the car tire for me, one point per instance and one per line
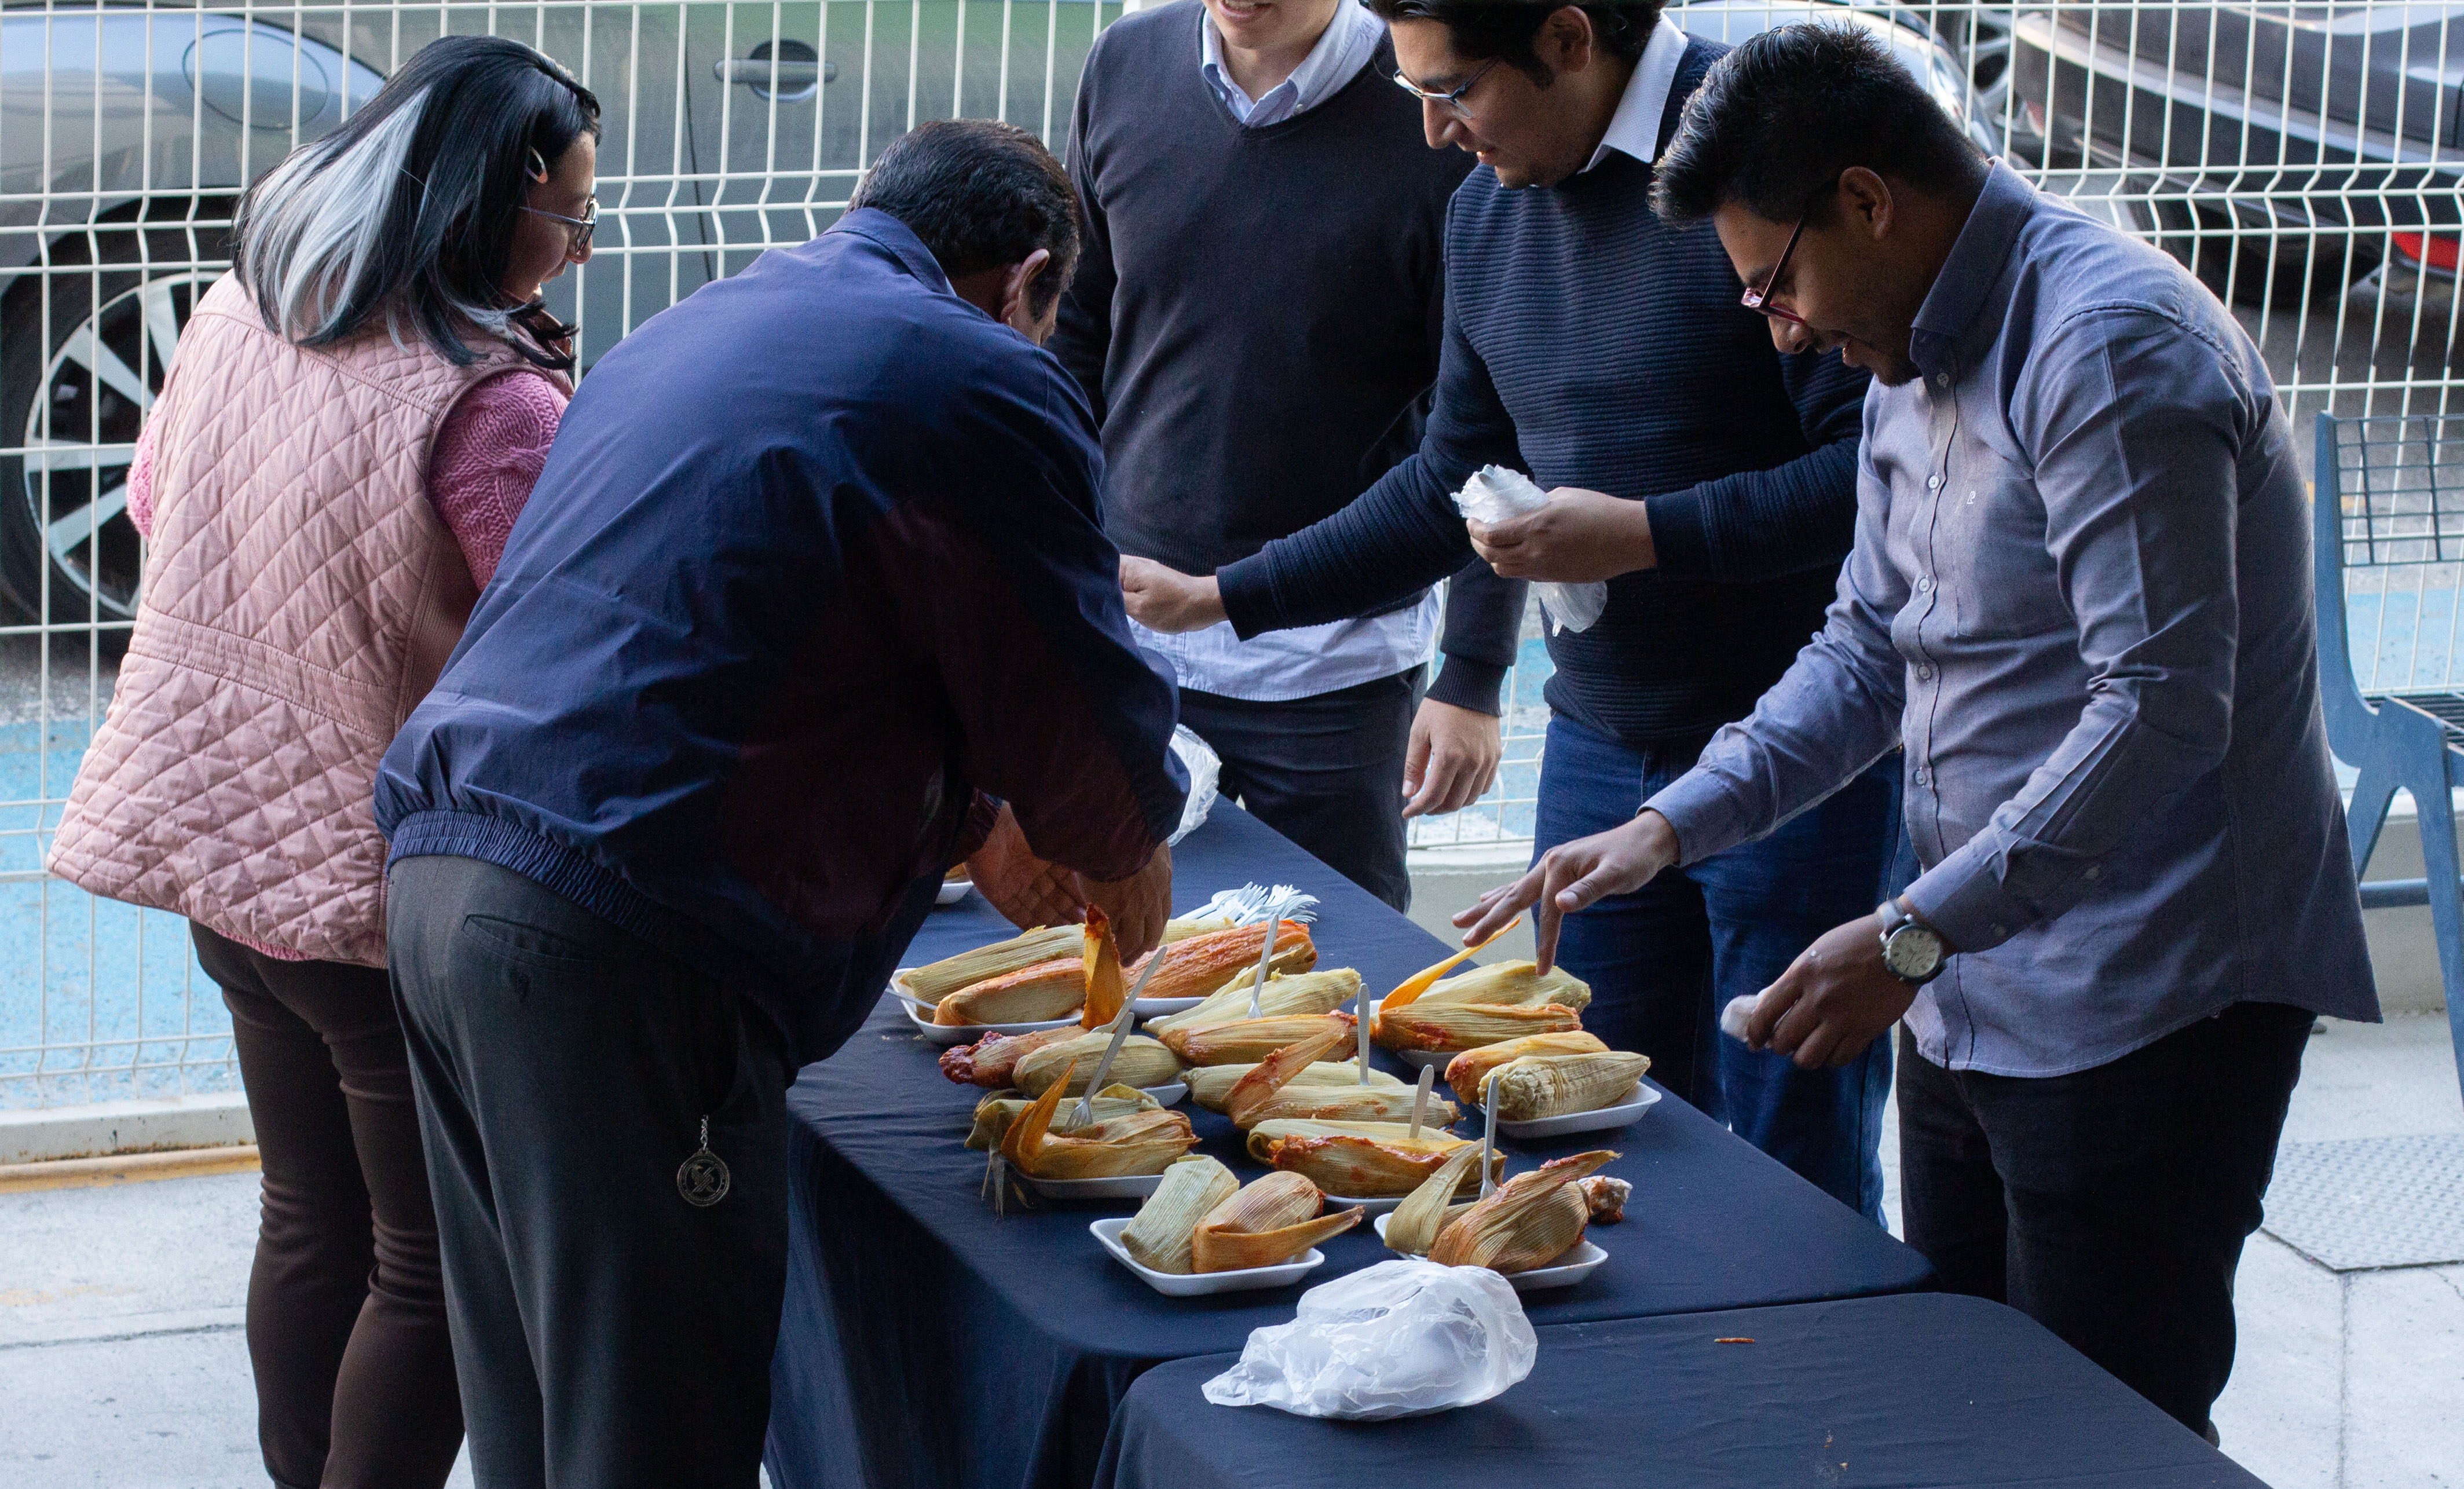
(76, 345)
(2257, 267)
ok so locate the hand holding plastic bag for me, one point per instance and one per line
(1494, 494)
(1399, 1339)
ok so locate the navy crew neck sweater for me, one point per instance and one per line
(1257, 314)
(1591, 346)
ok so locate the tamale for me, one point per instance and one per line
(1322, 992)
(1249, 1041)
(1356, 1160)
(1141, 1062)
(1141, 1142)
(1159, 1237)
(1511, 985)
(1529, 1221)
(1466, 1071)
(995, 1112)
(1269, 1222)
(1605, 1197)
(1048, 990)
(1268, 1091)
(1199, 964)
(1210, 1084)
(1414, 1226)
(1464, 1026)
(1106, 993)
(1556, 1085)
(989, 1061)
(937, 980)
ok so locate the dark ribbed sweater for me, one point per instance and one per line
(1257, 314)
(1591, 346)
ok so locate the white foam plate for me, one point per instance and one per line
(953, 890)
(1168, 1093)
(1132, 1186)
(946, 1034)
(1579, 1263)
(1108, 1233)
(1377, 1208)
(1164, 1007)
(1599, 1119)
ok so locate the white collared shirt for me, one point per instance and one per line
(1635, 129)
(1283, 665)
(1343, 49)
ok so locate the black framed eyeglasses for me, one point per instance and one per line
(1453, 98)
(577, 229)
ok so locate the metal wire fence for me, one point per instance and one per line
(2302, 159)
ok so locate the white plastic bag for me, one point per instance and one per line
(1399, 1339)
(1494, 493)
(1205, 769)
(1732, 1018)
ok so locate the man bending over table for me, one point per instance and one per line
(813, 574)
(2080, 595)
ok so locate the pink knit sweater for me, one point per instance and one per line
(487, 458)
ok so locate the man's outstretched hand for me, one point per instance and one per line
(1166, 599)
(1571, 876)
(1032, 891)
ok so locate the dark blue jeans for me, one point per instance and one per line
(1664, 960)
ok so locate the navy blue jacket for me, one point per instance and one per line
(815, 562)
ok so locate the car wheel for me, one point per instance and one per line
(2258, 266)
(83, 351)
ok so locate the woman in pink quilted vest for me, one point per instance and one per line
(356, 417)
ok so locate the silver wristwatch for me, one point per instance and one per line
(1911, 950)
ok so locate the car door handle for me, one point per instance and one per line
(789, 75)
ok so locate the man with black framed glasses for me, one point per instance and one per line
(1708, 477)
(2080, 597)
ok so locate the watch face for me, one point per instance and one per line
(1912, 953)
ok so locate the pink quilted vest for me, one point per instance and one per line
(300, 597)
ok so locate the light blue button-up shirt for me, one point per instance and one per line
(2080, 595)
(1343, 49)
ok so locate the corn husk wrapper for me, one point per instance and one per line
(1414, 1226)
(1558, 1086)
(1466, 1071)
(995, 1113)
(935, 981)
(1269, 1091)
(1303, 993)
(1048, 990)
(1529, 1221)
(1269, 1222)
(1358, 1160)
(1159, 1237)
(1467, 1026)
(1210, 1084)
(1199, 964)
(1106, 992)
(1141, 1062)
(1512, 985)
(990, 1061)
(1141, 1143)
(1247, 1041)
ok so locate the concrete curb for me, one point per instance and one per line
(42, 1134)
(86, 1174)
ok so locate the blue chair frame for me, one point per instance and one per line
(2408, 737)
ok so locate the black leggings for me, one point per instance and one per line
(345, 1318)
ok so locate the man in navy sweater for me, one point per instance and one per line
(1714, 488)
(744, 686)
(1256, 322)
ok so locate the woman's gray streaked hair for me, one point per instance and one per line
(315, 231)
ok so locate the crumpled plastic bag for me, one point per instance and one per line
(1732, 1018)
(1205, 771)
(1399, 1339)
(1495, 494)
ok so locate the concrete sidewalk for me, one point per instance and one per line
(122, 1364)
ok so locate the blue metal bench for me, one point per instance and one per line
(2388, 546)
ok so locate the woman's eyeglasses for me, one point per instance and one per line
(577, 229)
(1453, 99)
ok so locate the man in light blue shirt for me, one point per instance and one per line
(2079, 596)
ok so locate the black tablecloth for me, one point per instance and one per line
(928, 1340)
(1890, 1391)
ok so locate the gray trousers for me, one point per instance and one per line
(606, 1332)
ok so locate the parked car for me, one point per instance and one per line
(127, 132)
(2277, 149)
(1927, 57)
